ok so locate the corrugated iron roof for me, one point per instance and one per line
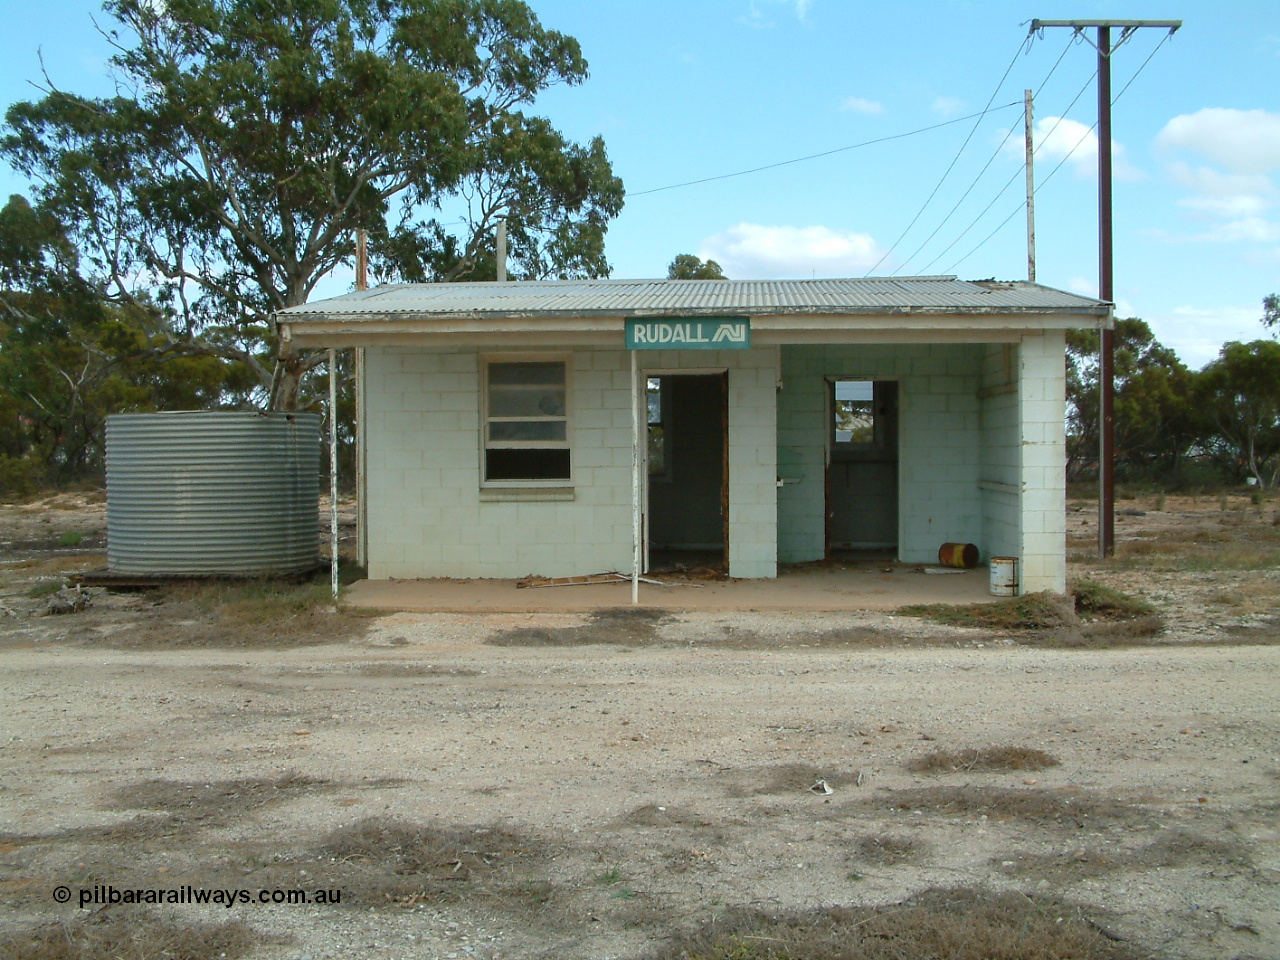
(624, 298)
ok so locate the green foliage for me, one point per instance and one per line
(250, 139)
(1097, 600)
(688, 267)
(1271, 311)
(21, 476)
(1034, 611)
(1157, 420)
(1240, 393)
(69, 358)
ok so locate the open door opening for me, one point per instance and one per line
(862, 468)
(687, 519)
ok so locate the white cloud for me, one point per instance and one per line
(756, 251)
(1198, 333)
(859, 105)
(1233, 205)
(1243, 141)
(1058, 139)
(947, 106)
(756, 16)
(1083, 286)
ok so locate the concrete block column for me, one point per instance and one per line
(753, 464)
(1042, 408)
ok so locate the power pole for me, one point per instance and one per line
(1106, 286)
(1031, 187)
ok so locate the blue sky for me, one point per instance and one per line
(684, 91)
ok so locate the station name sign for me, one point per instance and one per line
(702, 333)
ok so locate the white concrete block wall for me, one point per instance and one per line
(1042, 404)
(1001, 452)
(426, 515)
(938, 442)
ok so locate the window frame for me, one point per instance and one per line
(877, 441)
(488, 359)
(663, 423)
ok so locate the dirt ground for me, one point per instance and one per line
(570, 786)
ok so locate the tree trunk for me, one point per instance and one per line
(287, 382)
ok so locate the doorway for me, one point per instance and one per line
(862, 467)
(687, 516)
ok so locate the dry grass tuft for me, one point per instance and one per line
(1172, 849)
(988, 758)
(889, 850)
(783, 778)
(257, 613)
(124, 934)
(626, 626)
(1076, 808)
(381, 860)
(1115, 619)
(653, 815)
(190, 806)
(1035, 611)
(962, 924)
(215, 799)
(408, 670)
(1096, 600)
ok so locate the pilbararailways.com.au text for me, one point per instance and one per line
(110, 895)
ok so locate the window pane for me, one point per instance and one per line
(545, 430)
(653, 397)
(657, 451)
(854, 389)
(549, 373)
(520, 400)
(526, 464)
(855, 411)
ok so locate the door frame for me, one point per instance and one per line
(645, 373)
(828, 438)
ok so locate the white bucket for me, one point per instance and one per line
(1004, 576)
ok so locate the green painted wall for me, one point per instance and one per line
(939, 443)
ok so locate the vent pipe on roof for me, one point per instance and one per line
(362, 259)
(502, 250)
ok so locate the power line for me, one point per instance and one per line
(1017, 173)
(1163, 41)
(981, 173)
(1082, 139)
(938, 186)
(825, 153)
(1019, 208)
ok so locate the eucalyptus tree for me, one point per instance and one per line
(248, 141)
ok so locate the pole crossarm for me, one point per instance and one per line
(1170, 25)
(1127, 27)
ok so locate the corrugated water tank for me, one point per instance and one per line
(209, 493)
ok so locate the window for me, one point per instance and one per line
(855, 412)
(526, 420)
(657, 427)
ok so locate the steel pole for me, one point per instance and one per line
(636, 534)
(333, 473)
(1106, 291)
(362, 459)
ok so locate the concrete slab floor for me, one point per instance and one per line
(817, 587)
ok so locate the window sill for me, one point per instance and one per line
(525, 494)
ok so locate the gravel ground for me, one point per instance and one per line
(476, 791)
